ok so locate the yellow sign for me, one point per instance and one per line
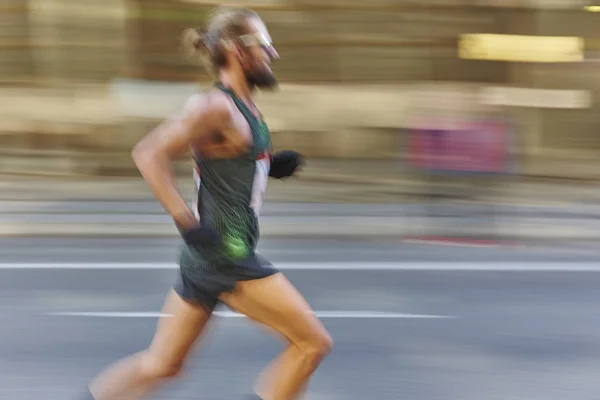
(521, 48)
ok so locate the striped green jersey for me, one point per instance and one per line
(230, 191)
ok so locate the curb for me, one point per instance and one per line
(343, 227)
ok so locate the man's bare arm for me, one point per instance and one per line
(153, 154)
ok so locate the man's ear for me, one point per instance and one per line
(238, 51)
(235, 48)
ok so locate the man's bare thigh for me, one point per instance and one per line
(276, 303)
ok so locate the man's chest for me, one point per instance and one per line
(256, 133)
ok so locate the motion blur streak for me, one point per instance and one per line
(444, 228)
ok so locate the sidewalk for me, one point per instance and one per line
(329, 198)
(338, 181)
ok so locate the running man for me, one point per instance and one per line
(231, 147)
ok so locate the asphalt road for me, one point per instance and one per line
(430, 334)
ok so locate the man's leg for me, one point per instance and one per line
(135, 376)
(275, 302)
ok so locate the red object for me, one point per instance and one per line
(479, 146)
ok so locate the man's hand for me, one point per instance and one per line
(200, 235)
(285, 164)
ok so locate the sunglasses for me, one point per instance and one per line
(256, 39)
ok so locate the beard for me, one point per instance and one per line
(262, 79)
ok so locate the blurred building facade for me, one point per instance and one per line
(354, 74)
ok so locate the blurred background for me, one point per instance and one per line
(449, 206)
(391, 101)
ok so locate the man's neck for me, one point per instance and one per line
(238, 84)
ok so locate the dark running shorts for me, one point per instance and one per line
(202, 281)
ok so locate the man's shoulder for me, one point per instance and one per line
(209, 107)
(211, 102)
(211, 98)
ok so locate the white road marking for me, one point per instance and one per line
(452, 244)
(340, 266)
(110, 314)
(230, 314)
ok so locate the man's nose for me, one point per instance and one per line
(272, 53)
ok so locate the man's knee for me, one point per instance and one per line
(317, 346)
(325, 343)
(156, 367)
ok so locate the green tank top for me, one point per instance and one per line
(230, 191)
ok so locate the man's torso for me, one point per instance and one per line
(230, 191)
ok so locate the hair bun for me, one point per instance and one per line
(193, 40)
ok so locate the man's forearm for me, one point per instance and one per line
(156, 171)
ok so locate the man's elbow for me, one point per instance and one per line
(142, 155)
